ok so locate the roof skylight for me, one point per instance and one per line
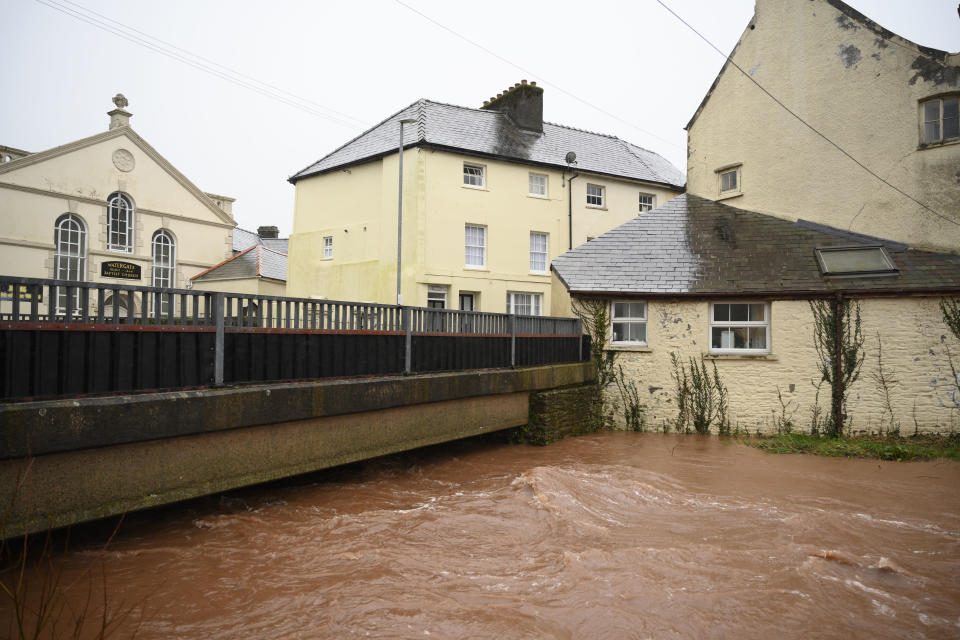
(855, 261)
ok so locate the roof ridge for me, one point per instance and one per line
(279, 253)
(595, 133)
(629, 147)
(417, 102)
(259, 259)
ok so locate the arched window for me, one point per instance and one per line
(70, 256)
(120, 222)
(164, 249)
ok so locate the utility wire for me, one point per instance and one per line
(804, 122)
(536, 75)
(213, 62)
(210, 67)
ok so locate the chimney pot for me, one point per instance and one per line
(533, 84)
(499, 95)
(516, 84)
(523, 82)
(486, 102)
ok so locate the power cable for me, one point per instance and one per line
(536, 75)
(266, 89)
(804, 122)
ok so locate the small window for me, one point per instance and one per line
(596, 195)
(327, 247)
(628, 323)
(739, 327)
(538, 252)
(538, 185)
(524, 304)
(473, 176)
(940, 119)
(855, 261)
(475, 245)
(436, 297)
(120, 223)
(648, 202)
(730, 181)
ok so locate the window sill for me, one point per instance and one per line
(470, 186)
(597, 207)
(727, 196)
(639, 348)
(741, 356)
(472, 268)
(540, 273)
(937, 145)
(530, 195)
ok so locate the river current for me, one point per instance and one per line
(615, 535)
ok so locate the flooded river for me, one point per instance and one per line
(616, 535)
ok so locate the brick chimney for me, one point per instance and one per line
(522, 103)
(268, 232)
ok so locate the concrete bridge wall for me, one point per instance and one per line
(69, 461)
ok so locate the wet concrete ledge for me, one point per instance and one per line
(107, 456)
(43, 427)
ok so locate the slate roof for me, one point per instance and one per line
(694, 246)
(243, 239)
(253, 262)
(493, 134)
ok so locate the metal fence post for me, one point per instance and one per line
(406, 324)
(511, 320)
(218, 343)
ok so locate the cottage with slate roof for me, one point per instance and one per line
(775, 217)
(489, 198)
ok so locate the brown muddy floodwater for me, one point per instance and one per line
(616, 535)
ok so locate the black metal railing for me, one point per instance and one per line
(66, 338)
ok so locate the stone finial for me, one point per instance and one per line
(119, 117)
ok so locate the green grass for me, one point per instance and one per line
(925, 447)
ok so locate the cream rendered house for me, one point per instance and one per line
(889, 103)
(108, 208)
(775, 217)
(488, 200)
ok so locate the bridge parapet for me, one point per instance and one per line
(63, 338)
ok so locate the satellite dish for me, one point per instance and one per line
(571, 157)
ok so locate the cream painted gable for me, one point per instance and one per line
(87, 170)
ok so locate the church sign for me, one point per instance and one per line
(119, 269)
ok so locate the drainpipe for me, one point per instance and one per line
(570, 204)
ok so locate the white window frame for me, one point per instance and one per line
(630, 320)
(535, 302)
(481, 172)
(327, 247)
(437, 292)
(69, 257)
(120, 222)
(737, 324)
(600, 199)
(938, 122)
(647, 206)
(734, 170)
(536, 252)
(482, 246)
(163, 249)
(535, 192)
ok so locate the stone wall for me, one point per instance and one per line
(911, 330)
(562, 413)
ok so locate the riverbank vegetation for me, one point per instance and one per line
(885, 447)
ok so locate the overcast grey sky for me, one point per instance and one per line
(625, 68)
